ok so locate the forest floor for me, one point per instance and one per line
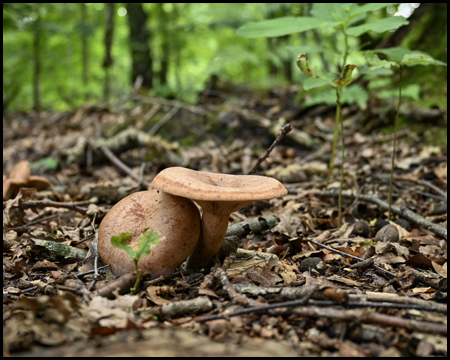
(291, 289)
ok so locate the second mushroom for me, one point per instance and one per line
(218, 195)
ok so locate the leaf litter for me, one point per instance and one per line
(274, 288)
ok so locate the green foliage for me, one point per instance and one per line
(202, 41)
(401, 56)
(46, 163)
(350, 95)
(411, 91)
(379, 26)
(277, 27)
(148, 239)
(324, 15)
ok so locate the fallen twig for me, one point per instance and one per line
(281, 135)
(116, 161)
(236, 297)
(25, 227)
(255, 225)
(350, 256)
(401, 211)
(121, 284)
(364, 316)
(39, 204)
(57, 251)
(165, 119)
(434, 187)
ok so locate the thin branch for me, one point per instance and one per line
(281, 135)
(164, 120)
(116, 161)
(434, 187)
(39, 204)
(400, 211)
(25, 227)
(321, 303)
(349, 256)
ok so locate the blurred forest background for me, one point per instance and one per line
(60, 56)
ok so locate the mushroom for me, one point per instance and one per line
(176, 219)
(218, 195)
(19, 177)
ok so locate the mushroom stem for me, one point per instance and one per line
(214, 227)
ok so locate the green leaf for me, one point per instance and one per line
(311, 83)
(47, 163)
(310, 49)
(379, 26)
(310, 70)
(354, 94)
(121, 242)
(376, 63)
(411, 91)
(330, 11)
(420, 59)
(146, 240)
(369, 7)
(404, 56)
(350, 95)
(395, 53)
(278, 27)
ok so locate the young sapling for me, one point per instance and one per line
(148, 239)
(401, 56)
(344, 79)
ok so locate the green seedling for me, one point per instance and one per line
(344, 79)
(329, 18)
(400, 57)
(146, 241)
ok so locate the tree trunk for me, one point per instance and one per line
(107, 63)
(165, 49)
(142, 62)
(36, 63)
(84, 51)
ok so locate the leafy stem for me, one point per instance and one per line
(339, 120)
(146, 241)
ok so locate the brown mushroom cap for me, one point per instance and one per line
(205, 187)
(19, 177)
(176, 219)
(218, 195)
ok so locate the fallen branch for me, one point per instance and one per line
(178, 308)
(57, 251)
(400, 211)
(315, 303)
(165, 119)
(281, 135)
(349, 256)
(39, 204)
(370, 317)
(119, 143)
(121, 284)
(254, 226)
(116, 161)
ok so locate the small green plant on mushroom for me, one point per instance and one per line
(146, 241)
(400, 57)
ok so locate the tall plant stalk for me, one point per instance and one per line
(391, 183)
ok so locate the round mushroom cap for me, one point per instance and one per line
(176, 219)
(205, 187)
